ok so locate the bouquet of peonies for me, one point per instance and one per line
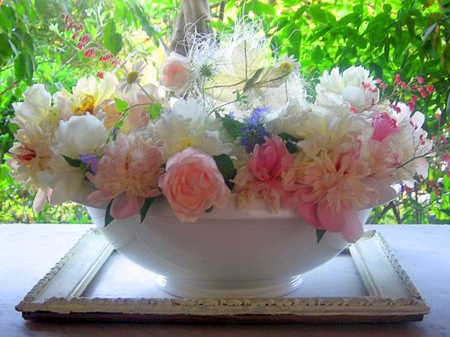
(228, 118)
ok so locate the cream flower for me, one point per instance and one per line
(321, 127)
(80, 135)
(30, 155)
(87, 94)
(188, 125)
(36, 106)
(341, 180)
(138, 116)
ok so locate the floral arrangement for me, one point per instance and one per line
(228, 118)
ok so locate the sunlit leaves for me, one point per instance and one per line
(112, 39)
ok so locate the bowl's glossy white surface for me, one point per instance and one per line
(226, 253)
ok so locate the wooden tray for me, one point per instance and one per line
(93, 283)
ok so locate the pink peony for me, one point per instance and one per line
(193, 184)
(127, 172)
(270, 159)
(344, 221)
(175, 73)
(333, 185)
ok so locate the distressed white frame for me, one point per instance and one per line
(392, 295)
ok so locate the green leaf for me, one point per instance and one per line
(41, 6)
(387, 8)
(375, 68)
(233, 127)
(291, 142)
(121, 105)
(7, 18)
(144, 209)
(27, 42)
(317, 54)
(5, 47)
(226, 167)
(23, 67)
(319, 234)
(154, 110)
(108, 216)
(110, 30)
(114, 43)
(321, 15)
(381, 20)
(428, 31)
(72, 162)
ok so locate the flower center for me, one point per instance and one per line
(132, 77)
(285, 66)
(87, 104)
(187, 143)
(206, 71)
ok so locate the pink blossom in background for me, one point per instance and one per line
(193, 184)
(175, 73)
(128, 172)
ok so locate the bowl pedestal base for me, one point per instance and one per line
(224, 289)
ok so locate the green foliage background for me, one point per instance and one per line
(408, 37)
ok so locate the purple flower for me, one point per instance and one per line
(89, 159)
(254, 131)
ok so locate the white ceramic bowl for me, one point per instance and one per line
(226, 253)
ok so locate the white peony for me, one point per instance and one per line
(402, 152)
(320, 127)
(355, 87)
(64, 180)
(188, 125)
(80, 135)
(30, 155)
(36, 106)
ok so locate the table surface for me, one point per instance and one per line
(27, 252)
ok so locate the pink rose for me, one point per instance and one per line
(175, 73)
(270, 159)
(193, 184)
